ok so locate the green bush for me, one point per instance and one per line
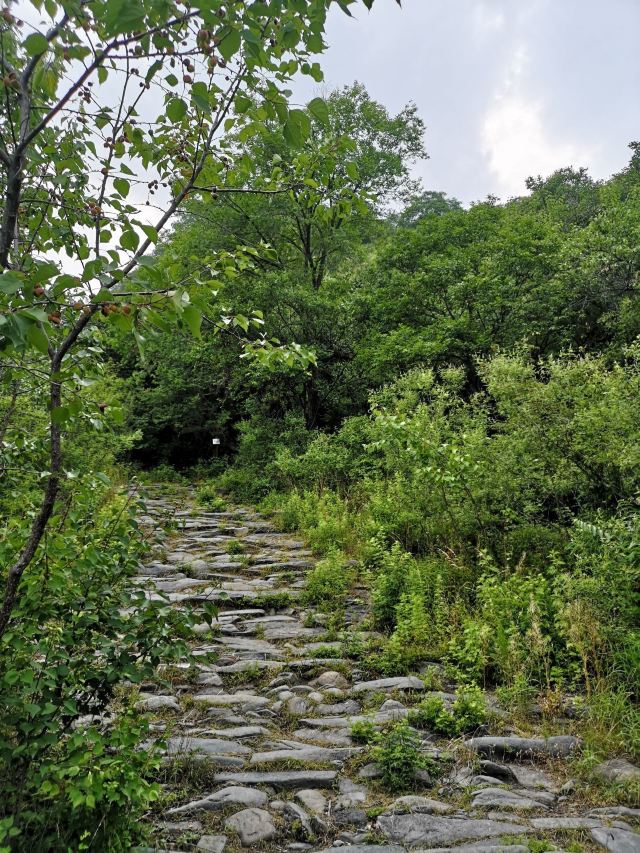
(78, 632)
(468, 712)
(208, 495)
(329, 580)
(398, 754)
(363, 731)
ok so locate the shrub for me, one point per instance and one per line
(467, 713)
(78, 632)
(363, 731)
(208, 496)
(329, 580)
(398, 754)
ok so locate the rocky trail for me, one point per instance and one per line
(259, 749)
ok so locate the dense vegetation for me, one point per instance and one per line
(444, 400)
(469, 430)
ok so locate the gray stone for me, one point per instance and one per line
(498, 771)
(305, 753)
(367, 848)
(485, 848)
(233, 795)
(519, 747)
(330, 678)
(296, 705)
(230, 699)
(241, 732)
(418, 805)
(180, 826)
(212, 843)
(158, 703)
(617, 770)
(432, 830)
(312, 800)
(282, 781)
(350, 817)
(617, 840)
(616, 810)
(350, 706)
(253, 826)
(335, 737)
(208, 746)
(552, 823)
(295, 812)
(501, 799)
(408, 682)
(370, 771)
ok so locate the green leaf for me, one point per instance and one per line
(176, 109)
(319, 110)
(60, 415)
(230, 44)
(297, 127)
(38, 339)
(200, 96)
(193, 318)
(150, 231)
(10, 282)
(121, 186)
(35, 44)
(129, 240)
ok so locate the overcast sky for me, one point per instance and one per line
(506, 88)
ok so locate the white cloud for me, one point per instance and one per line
(515, 140)
(487, 20)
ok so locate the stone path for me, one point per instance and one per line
(259, 753)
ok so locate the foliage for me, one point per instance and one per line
(79, 630)
(363, 731)
(208, 495)
(329, 580)
(398, 754)
(468, 712)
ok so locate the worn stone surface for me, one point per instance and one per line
(409, 682)
(618, 770)
(259, 695)
(519, 747)
(502, 799)
(617, 840)
(427, 830)
(253, 826)
(233, 795)
(282, 780)
(212, 843)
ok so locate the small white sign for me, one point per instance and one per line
(215, 441)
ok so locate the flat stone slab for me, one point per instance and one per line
(305, 753)
(618, 770)
(413, 830)
(408, 682)
(224, 699)
(484, 848)
(617, 840)
(284, 780)
(207, 746)
(553, 823)
(241, 732)
(366, 848)
(158, 703)
(252, 826)
(413, 804)
(231, 796)
(520, 747)
(212, 843)
(499, 798)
